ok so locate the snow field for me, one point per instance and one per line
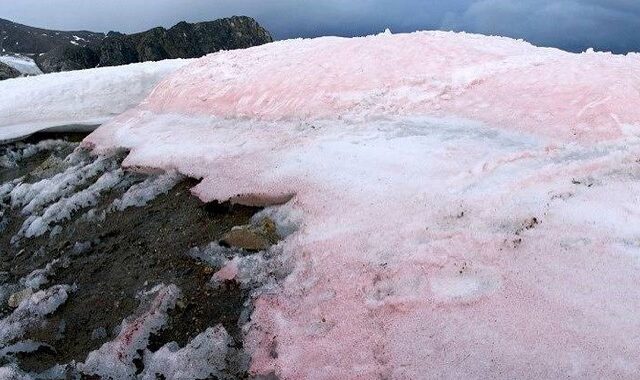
(465, 206)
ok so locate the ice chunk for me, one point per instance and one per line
(140, 194)
(38, 277)
(203, 357)
(35, 196)
(12, 372)
(31, 311)
(36, 225)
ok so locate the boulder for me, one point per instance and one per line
(8, 72)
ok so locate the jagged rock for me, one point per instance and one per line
(68, 58)
(63, 51)
(184, 40)
(8, 72)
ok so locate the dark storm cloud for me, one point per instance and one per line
(569, 24)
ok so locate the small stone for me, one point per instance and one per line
(99, 333)
(246, 238)
(16, 298)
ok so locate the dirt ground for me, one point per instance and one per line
(110, 261)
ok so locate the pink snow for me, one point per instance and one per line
(469, 204)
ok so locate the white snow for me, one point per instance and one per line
(25, 65)
(414, 165)
(77, 99)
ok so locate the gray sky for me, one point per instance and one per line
(569, 24)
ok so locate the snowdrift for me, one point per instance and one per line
(466, 206)
(74, 99)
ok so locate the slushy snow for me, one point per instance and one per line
(415, 165)
(76, 100)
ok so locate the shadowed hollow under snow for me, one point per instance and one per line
(468, 206)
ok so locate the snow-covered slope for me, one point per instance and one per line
(80, 98)
(25, 65)
(467, 206)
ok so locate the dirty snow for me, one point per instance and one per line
(142, 193)
(77, 100)
(203, 357)
(115, 359)
(414, 165)
(31, 311)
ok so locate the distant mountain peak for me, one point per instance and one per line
(72, 50)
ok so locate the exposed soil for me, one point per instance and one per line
(112, 260)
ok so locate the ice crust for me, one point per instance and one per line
(414, 166)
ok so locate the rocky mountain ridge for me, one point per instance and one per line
(30, 41)
(56, 51)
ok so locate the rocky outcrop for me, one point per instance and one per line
(68, 58)
(184, 40)
(56, 51)
(8, 72)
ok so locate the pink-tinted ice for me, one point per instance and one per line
(469, 205)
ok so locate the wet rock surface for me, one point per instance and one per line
(116, 251)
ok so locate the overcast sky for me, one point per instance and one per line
(569, 24)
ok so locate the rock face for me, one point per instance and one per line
(184, 40)
(56, 51)
(68, 58)
(8, 72)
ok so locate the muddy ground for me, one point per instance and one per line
(110, 261)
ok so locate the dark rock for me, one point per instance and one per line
(63, 51)
(116, 49)
(184, 40)
(67, 58)
(27, 40)
(8, 72)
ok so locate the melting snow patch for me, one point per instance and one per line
(140, 194)
(203, 357)
(31, 311)
(115, 359)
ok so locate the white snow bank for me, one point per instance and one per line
(25, 65)
(73, 99)
(466, 206)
